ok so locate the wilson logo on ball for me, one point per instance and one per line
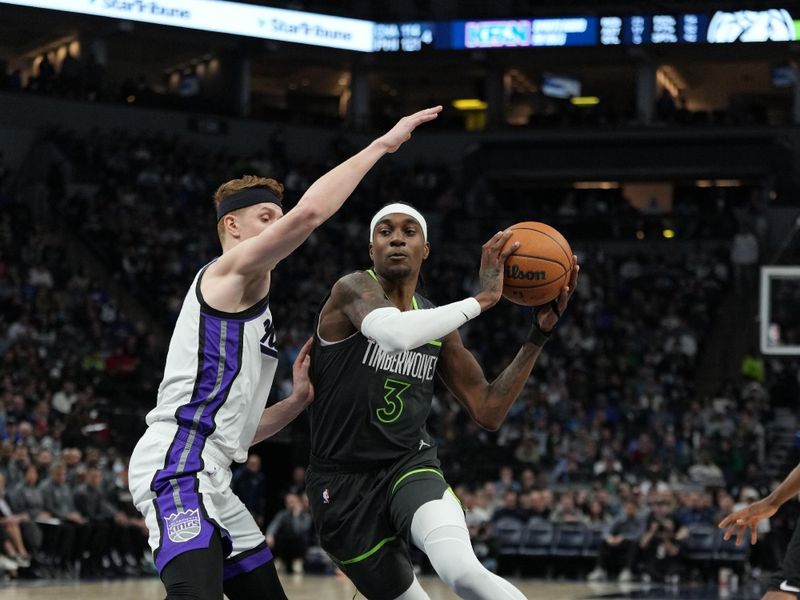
(514, 272)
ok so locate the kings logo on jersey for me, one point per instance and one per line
(183, 526)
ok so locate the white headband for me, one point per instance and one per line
(403, 209)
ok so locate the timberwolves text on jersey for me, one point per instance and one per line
(409, 363)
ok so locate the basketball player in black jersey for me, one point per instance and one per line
(785, 583)
(374, 481)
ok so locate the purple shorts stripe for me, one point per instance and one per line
(232, 568)
(184, 525)
(191, 530)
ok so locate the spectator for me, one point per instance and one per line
(289, 532)
(18, 528)
(620, 547)
(507, 481)
(99, 513)
(131, 538)
(744, 257)
(510, 508)
(64, 398)
(660, 544)
(250, 485)
(567, 511)
(705, 473)
(598, 514)
(474, 508)
(527, 480)
(539, 508)
(71, 527)
(298, 485)
(46, 76)
(695, 508)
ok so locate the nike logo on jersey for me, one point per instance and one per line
(423, 443)
(785, 587)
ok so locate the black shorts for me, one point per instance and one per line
(364, 519)
(787, 578)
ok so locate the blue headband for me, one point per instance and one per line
(246, 197)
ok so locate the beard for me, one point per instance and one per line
(396, 272)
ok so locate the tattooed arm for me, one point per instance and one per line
(489, 403)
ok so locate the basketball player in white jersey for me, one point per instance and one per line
(219, 370)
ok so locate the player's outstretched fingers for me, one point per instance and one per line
(500, 241)
(428, 112)
(563, 298)
(573, 277)
(740, 533)
(423, 116)
(304, 355)
(729, 522)
(491, 240)
(504, 254)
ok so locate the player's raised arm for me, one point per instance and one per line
(325, 196)
(489, 403)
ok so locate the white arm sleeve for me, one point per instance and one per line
(396, 331)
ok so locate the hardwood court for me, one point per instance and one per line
(297, 587)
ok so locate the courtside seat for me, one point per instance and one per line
(508, 534)
(537, 538)
(729, 551)
(570, 539)
(701, 543)
(594, 539)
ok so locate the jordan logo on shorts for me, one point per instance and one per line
(183, 526)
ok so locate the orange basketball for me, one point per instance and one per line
(540, 268)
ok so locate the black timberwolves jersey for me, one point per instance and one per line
(370, 406)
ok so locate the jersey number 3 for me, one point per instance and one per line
(394, 401)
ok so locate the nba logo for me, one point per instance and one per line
(183, 526)
(326, 496)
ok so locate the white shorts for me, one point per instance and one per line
(183, 490)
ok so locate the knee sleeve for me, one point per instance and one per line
(439, 529)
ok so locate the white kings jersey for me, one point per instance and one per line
(219, 371)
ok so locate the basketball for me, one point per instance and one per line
(540, 267)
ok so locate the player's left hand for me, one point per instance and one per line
(547, 315)
(302, 389)
(749, 516)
